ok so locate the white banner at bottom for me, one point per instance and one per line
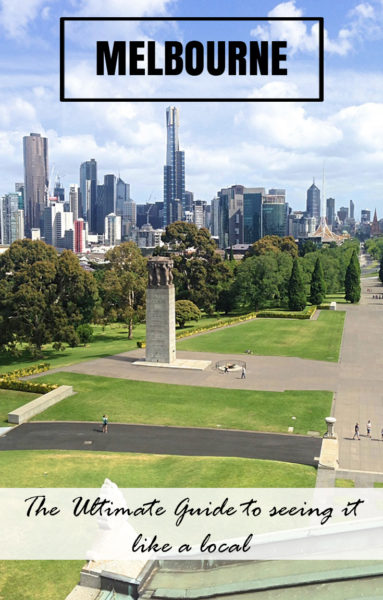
(193, 524)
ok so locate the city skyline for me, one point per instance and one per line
(281, 145)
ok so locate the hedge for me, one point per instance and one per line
(218, 325)
(275, 314)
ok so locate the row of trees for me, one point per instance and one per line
(48, 297)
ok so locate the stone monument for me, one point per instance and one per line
(160, 312)
(161, 320)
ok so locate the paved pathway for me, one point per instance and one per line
(163, 440)
(360, 387)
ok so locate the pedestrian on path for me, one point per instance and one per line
(369, 428)
(356, 434)
(105, 424)
(243, 374)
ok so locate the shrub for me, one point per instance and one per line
(85, 333)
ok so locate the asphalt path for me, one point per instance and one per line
(150, 439)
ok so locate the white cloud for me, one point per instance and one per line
(291, 127)
(15, 15)
(364, 21)
(121, 8)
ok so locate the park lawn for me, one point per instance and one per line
(108, 340)
(338, 298)
(9, 400)
(316, 340)
(61, 468)
(127, 401)
(38, 580)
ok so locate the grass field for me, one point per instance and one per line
(53, 580)
(38, 580)
(317, 340)
(108, 340)
(60, 468)
(128, 401)
(9, 400)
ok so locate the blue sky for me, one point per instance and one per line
(260, 144)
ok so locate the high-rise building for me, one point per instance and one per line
(230, 225)
(352, 209)
(19, 189)
(330, 211)
(214, 222)
(313, 206)
(122, 195)
(252, 214)
(112, 232)
(343, 214)
(274, 214)
(56, 223)
(59, 191)
(189, 199)
(199, 211)
(74, 201)
(35, 180)
(365, 216)
(174, 171)
(11, 219)
(79, 236)
(88, 188)
(106, 199)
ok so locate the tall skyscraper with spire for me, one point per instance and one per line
(174, 171)
(36, 180)
(313, 204)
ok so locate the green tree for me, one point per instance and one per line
(43, 296)
(296, 290)
(352, 280)
(123, 286)
(186, 311)
(199, 271)
(317, 286)
(275, 244)
(261, 281)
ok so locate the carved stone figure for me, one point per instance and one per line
(160, 272)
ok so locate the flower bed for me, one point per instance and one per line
(12, 380)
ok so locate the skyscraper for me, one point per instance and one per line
(313, 207)
(74, 201)
(35, 180)
(11, 219)
(88, 188)
(174, 171)
(352, 210)
(330, 211)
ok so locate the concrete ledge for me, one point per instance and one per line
(29, 410)
(329, 456)
(179, 363)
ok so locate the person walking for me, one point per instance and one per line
(243, 374)
(369, 428)
(356, 434)
(105, 424)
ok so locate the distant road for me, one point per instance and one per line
(150, 439)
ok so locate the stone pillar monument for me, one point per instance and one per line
(160, 312)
